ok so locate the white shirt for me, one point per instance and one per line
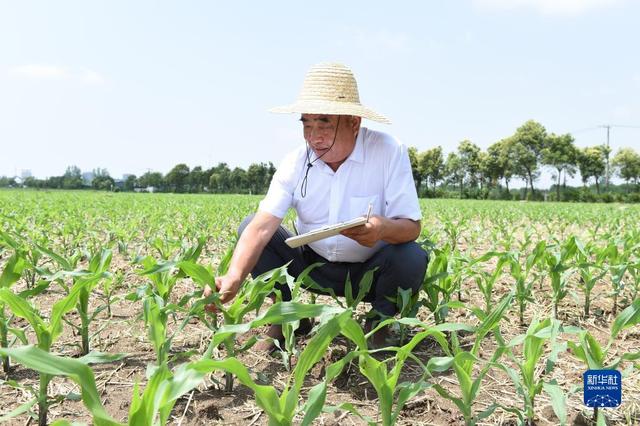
(378, 171)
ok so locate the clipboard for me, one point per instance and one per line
(324, 232)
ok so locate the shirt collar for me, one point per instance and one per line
(357, 154)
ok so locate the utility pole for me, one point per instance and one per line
(606, 170)
(608, 127)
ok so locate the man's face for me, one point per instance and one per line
(319, 131)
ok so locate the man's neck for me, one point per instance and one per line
(336, 164)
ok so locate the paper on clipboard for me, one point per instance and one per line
(324, 232)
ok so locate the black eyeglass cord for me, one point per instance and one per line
(305, 180)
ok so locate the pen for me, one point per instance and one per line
(369, 212)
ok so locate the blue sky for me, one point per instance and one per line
(137, 85)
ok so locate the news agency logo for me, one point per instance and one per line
(602, 388)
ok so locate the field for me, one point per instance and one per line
(102, 315)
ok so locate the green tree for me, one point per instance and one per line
(591, 162)
(627, 164)
(198, 179)
(238, 181)
(102, 181)
(220, 179)
(454, 170)
(7, 181)
(153, 180)
(470, 160)
(130, 183)
(431, 165)
(178, 178)
(257, 178)
(561, 154)
(528, 142)
(72, 178)
(415, 167)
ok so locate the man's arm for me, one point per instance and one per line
(252, 242)
(393, 231)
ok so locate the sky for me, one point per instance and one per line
(133, 86)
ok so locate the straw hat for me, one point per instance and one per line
(330, 88)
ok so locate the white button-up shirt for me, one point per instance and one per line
(378, 171)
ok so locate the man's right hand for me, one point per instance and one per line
(227, 286)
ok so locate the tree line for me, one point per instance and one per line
(474, 173)
(180, 179)
(468, 172)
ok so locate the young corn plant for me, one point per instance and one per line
(524, 281)
(595, 356)
(527, 380)
(289, 348)
(485, 280)
(150, 408)
(618, 265)
(408, 305)
(157, 307)
(591, 271)
(392, 394)
(49, 365)
(250, 298)
(462, 363)
(98, 268)
(282, 407)
(559, 264)
(441, 281)
(10, 274)
(46, 332)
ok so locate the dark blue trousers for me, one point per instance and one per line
(400, 266)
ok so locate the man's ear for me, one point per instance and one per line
(355, 123)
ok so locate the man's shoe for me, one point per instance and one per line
(380, 338)
(305, 327)
(275, 333)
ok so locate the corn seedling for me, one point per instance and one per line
(595, 356)
(590, 273)
(281, 409)
(462, 363)
(441, 281)
(524, 284)
(559, 268)
(46, 333)
(392, 395)
(527, 380)
(485, 280)
(10, 274)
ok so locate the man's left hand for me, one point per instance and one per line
(369, 233)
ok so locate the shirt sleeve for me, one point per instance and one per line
(280, 194)
(401, 198)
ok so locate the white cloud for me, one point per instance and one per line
(53, 72)
(91, 77)
(41, 72)
(548, 7)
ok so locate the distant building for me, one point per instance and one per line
(25, 173)
(126, 176)
(87, 178)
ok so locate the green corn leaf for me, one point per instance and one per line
(44, 362)
(56, 257)
(23, 309)
(100, 358)
(12, 270)
(23, 408)
(198, 273)
(629, 317)
(558, 400)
